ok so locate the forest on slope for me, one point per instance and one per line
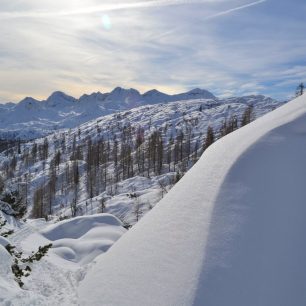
(122, 163)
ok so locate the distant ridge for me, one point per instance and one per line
(31, 118)
(119, 98)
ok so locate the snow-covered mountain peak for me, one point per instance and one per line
(97, 94)
(59, 98)
(154, 96)
(95, 97)
(121, 98)
(152, 92)
(119, 91)
(198, 93)
(28, 103)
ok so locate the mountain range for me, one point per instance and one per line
(31, 118)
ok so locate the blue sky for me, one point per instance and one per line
(230, 47)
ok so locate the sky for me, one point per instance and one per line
(229, 47)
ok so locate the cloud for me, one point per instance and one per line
(150, 44)
(238, 8)
(99, 8)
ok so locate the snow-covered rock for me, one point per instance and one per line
(6, 208)
(231, 232)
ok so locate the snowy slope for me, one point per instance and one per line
(53, 280)
(231, 232)
(192, 117)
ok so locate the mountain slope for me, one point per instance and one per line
(231, 232)
(181, 128)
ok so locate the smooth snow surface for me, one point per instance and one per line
(7, 284)
(78, 240)
(231, 232)
(54, 279)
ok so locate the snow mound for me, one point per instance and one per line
(81, 239)
(5, 262)
(231, 232)
(79, 226)
(7, 285)
(10, 292)
(3, 241)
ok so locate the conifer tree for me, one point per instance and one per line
(300, 90)
(210, 137)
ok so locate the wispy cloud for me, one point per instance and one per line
(238, 8)
(212, 16)
(172, 45)
(99, 8)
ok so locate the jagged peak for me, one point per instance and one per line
(121, 90)
(97, 94)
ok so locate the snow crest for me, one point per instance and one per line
(231, 232)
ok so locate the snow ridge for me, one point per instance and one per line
(231, 232)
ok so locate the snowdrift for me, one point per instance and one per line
(53, 280)
(7, 284)
(78, 240)
(231, 232)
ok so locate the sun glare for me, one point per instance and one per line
(106, 21)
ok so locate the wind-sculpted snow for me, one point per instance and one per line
(79, 226)
(80, 239)
(54, 278)
(231, 232)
